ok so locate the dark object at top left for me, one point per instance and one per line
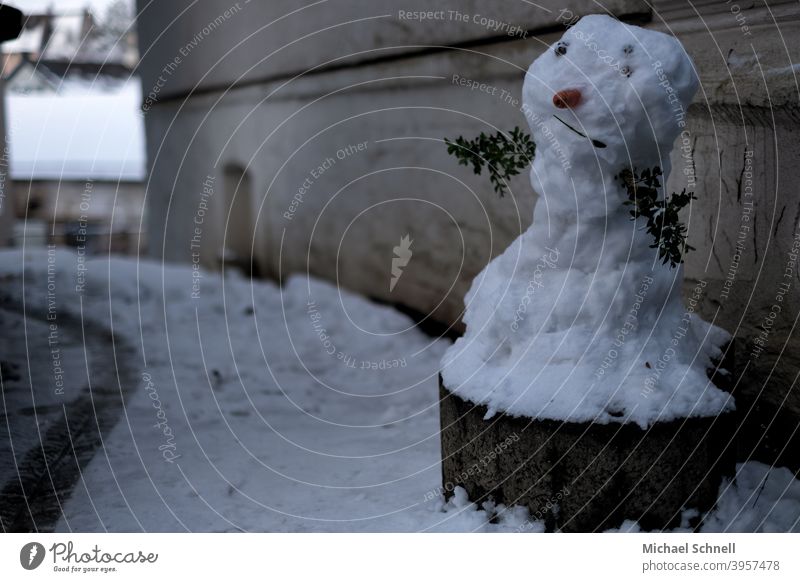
(10, 23)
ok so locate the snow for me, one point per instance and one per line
(760, 498)
(86, 131)
(274, 423)
(578, 319)
(277, 423)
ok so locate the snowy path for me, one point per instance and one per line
(71, 420)
(264, 409)
(255, 409)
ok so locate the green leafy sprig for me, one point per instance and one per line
(504, 155)
(663, 222)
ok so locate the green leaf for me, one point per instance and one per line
(663, 222)
(503, 155)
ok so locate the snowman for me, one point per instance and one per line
(579, 319)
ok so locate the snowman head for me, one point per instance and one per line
(610, 90)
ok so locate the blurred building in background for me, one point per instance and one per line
(309, 139)
(76, 40)
(10, 28)
(76, 141)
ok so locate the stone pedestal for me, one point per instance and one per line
(585, 477)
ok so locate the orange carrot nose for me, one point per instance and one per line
(567, 98)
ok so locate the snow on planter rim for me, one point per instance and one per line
(578, 320)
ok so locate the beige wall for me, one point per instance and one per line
(219, 42)
(745, 138)
(280, 128)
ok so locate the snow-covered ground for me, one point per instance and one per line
(259, 408)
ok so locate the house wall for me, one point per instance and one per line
(223, 87)
(113, 210)
(239, 94)
(70, 200)
(743, 137)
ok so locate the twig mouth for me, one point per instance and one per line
(595, 142)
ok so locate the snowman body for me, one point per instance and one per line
(579, 320)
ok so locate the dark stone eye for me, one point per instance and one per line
(627, 49)
(561, 48)
(626, 70)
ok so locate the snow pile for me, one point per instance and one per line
(759, 499)
(461, 515)
(272, 430)
(301, 408)
(578, 319)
